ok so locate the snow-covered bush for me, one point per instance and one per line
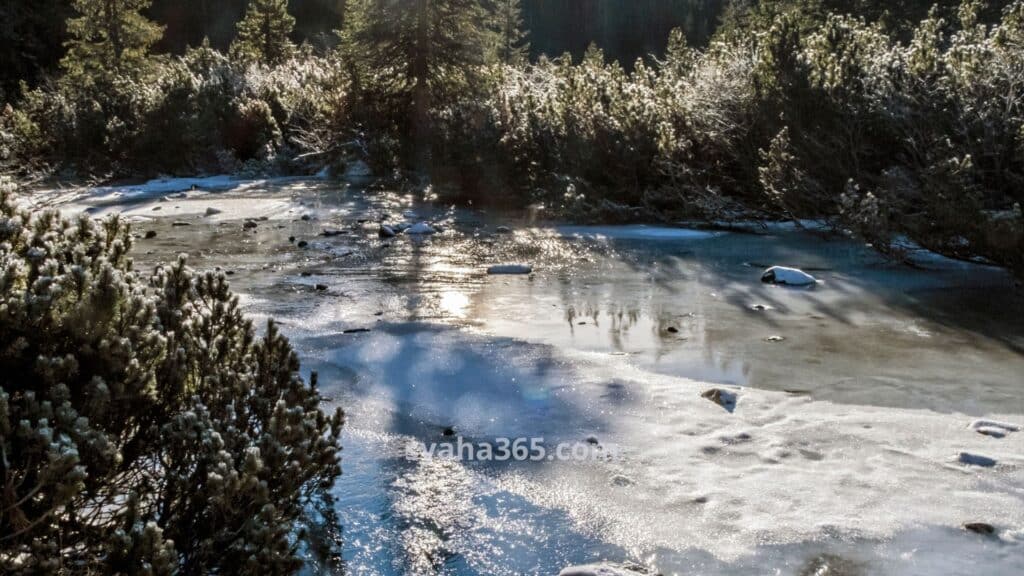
(797, 113)
(185, 113)
(144, 427)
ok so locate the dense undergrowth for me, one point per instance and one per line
(144, 427)
(837, 119)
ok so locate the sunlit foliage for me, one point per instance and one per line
(144, 427)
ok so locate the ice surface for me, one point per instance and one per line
(842, 452)
(638, 232)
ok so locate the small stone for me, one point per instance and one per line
(213, 211)
(976, 460)
(157, 208)
(724, 399)
(329, 233)
(673, 330)
(761, 307)
(321, 287)
(980, 528)
(386, 232)
(249, 225)
(302, 244)
(291, 239)
(306, 217)
(150, 234)
(305, 274)
(510, 269)
(181, 224)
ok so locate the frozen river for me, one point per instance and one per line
(849, 449)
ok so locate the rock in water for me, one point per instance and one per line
(976, 460)
(421, 229)
(787, 277)
(980, 528)
(386, 232)
(510, 269)
(724, 399)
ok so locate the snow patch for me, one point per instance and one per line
(166, 186)
(1004, 426)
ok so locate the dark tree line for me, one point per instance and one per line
(32, 34)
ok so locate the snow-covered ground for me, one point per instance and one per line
(875, 415)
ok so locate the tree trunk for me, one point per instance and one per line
(420, 145)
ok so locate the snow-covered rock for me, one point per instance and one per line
(509, 269)
(787, 277)
(993, 428)
(358, 171)
(421, 229)
(603, 570)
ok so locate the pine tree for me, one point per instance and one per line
(109, 36)
(263, 35)
(418, 53)
(145, 428)
(512, 45)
